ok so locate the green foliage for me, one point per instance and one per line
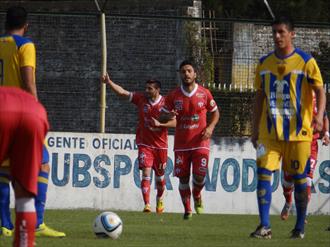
(198, 52)
(169, 229)
(299, 10)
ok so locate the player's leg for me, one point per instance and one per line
(200, 160)
(288, 187)
(42, 187)
(268, 160)
(297, 162)
(145, 157)
(5, 217)
(25, 159)
(25, 216)
(182, 171)
(42, 230)
(159, 168)
(310, 171)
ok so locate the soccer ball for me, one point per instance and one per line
(108, 225)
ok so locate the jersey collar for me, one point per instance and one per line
(156, 101)
(191, 93)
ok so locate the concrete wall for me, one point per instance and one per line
(104, 166)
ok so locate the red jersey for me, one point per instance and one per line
(191, 119)
(146, 134)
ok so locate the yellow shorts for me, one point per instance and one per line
(294, 155)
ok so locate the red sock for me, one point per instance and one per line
(160, 183)
(185, 194)
(24, 229)
(145, 188)
(287, 192)
(197, 188)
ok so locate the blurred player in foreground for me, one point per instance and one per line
(17, 68)
(286, 80)
(189, 104)
(151, 137)
(288, 181)
(23, 127)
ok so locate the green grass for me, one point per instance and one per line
(169, 229)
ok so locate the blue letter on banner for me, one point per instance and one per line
(102, 171)
(81, 170)
(118, 170)
(66, 170)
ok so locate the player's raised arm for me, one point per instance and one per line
(120, 91)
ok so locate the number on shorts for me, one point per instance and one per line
(1, 72)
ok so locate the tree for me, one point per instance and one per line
(299, 10)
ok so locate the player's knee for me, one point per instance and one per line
(20, 191)
(45, 168)
(198, 179)
(184, 180)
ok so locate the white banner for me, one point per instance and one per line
(100, 171)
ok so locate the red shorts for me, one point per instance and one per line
(198, 158)
(153, 158)
(23, 127)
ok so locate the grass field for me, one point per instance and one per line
(169, 229)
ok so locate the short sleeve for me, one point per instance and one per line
(313, 73)
(211, 104)
(27, 55)
(135, 97)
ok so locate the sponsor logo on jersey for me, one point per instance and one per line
(200, 95)
(195, 118)
(189, 126)
(200, 104)
(178, 105)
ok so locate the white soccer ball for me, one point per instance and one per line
(108, 225)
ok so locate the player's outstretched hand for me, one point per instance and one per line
(318, 122)
(325, 139)
(106, 78)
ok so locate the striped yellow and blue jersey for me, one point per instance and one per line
(15, 52)
(287, 83)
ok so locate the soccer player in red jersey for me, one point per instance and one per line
(151, 137)
(23, 127)
(189, 104)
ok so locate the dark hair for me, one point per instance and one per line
(16, 18)
(284, 20)
(155, 82)
(187, 62)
